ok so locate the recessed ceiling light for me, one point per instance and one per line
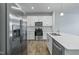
(32, 7)
(61, 14)
(48, 7)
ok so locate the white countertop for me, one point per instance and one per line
(68, 41)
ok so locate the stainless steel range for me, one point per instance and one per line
(38, 31)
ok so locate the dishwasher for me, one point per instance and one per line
(56, 49)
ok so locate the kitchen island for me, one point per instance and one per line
(63, 44)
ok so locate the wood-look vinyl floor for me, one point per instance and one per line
(36, 48)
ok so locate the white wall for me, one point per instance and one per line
(2, 28)
(69, 23)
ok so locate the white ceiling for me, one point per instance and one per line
(14, 11)
(43, 7)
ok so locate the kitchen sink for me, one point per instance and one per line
(55, 34)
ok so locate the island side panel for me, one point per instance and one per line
(71, 52)
(50, 47)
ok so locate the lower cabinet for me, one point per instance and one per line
(54, 47)
(50, 46)
(57, 48)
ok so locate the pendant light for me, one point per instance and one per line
(61, 13)
(32, 7)
(48, 7)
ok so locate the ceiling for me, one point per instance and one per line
(43, 7)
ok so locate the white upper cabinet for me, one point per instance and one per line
(47, 20)
(28, 19)
(33, 20)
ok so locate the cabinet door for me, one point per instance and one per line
(28, 19)
(31, 35)
(33, 20)
(47, 20)
(49, 44)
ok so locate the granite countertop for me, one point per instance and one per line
(68, 41)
